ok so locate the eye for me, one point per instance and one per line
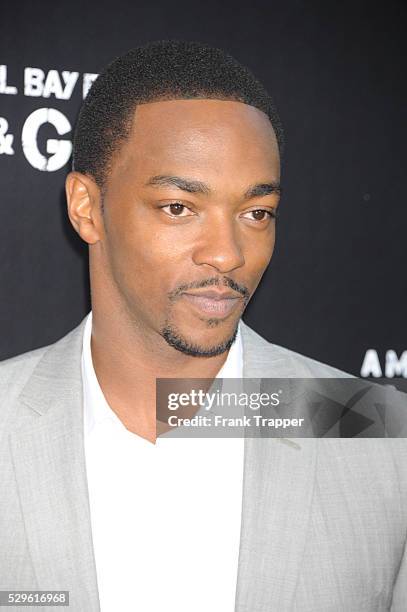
(176, 209)
(260, 214)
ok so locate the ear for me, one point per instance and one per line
(84, 211)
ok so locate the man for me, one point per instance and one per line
(175, 189)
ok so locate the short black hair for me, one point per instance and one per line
(160, 70)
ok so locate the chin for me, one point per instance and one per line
(213, 340)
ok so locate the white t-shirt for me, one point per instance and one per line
(166, 517)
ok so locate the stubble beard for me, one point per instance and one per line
(180, 343)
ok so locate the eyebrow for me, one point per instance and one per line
(195, 186)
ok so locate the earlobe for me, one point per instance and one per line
(83, 204)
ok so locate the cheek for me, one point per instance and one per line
(259, 253)
(135, 231)
(145, 259)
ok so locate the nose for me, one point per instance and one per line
(218, 246)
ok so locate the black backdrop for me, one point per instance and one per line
(336, 287)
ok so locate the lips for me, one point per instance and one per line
(214, 303)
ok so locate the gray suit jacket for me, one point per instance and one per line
(324, 521)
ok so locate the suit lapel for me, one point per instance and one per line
(277, 495)
(48, 454)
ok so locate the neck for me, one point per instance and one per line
(128, 359)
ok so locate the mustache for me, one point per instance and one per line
(226, 281)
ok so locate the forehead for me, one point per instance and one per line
(200, 135)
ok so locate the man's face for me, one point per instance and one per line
(188, 219)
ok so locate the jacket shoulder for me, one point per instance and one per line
(302, 365)
(18, 368)
(16, 371)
